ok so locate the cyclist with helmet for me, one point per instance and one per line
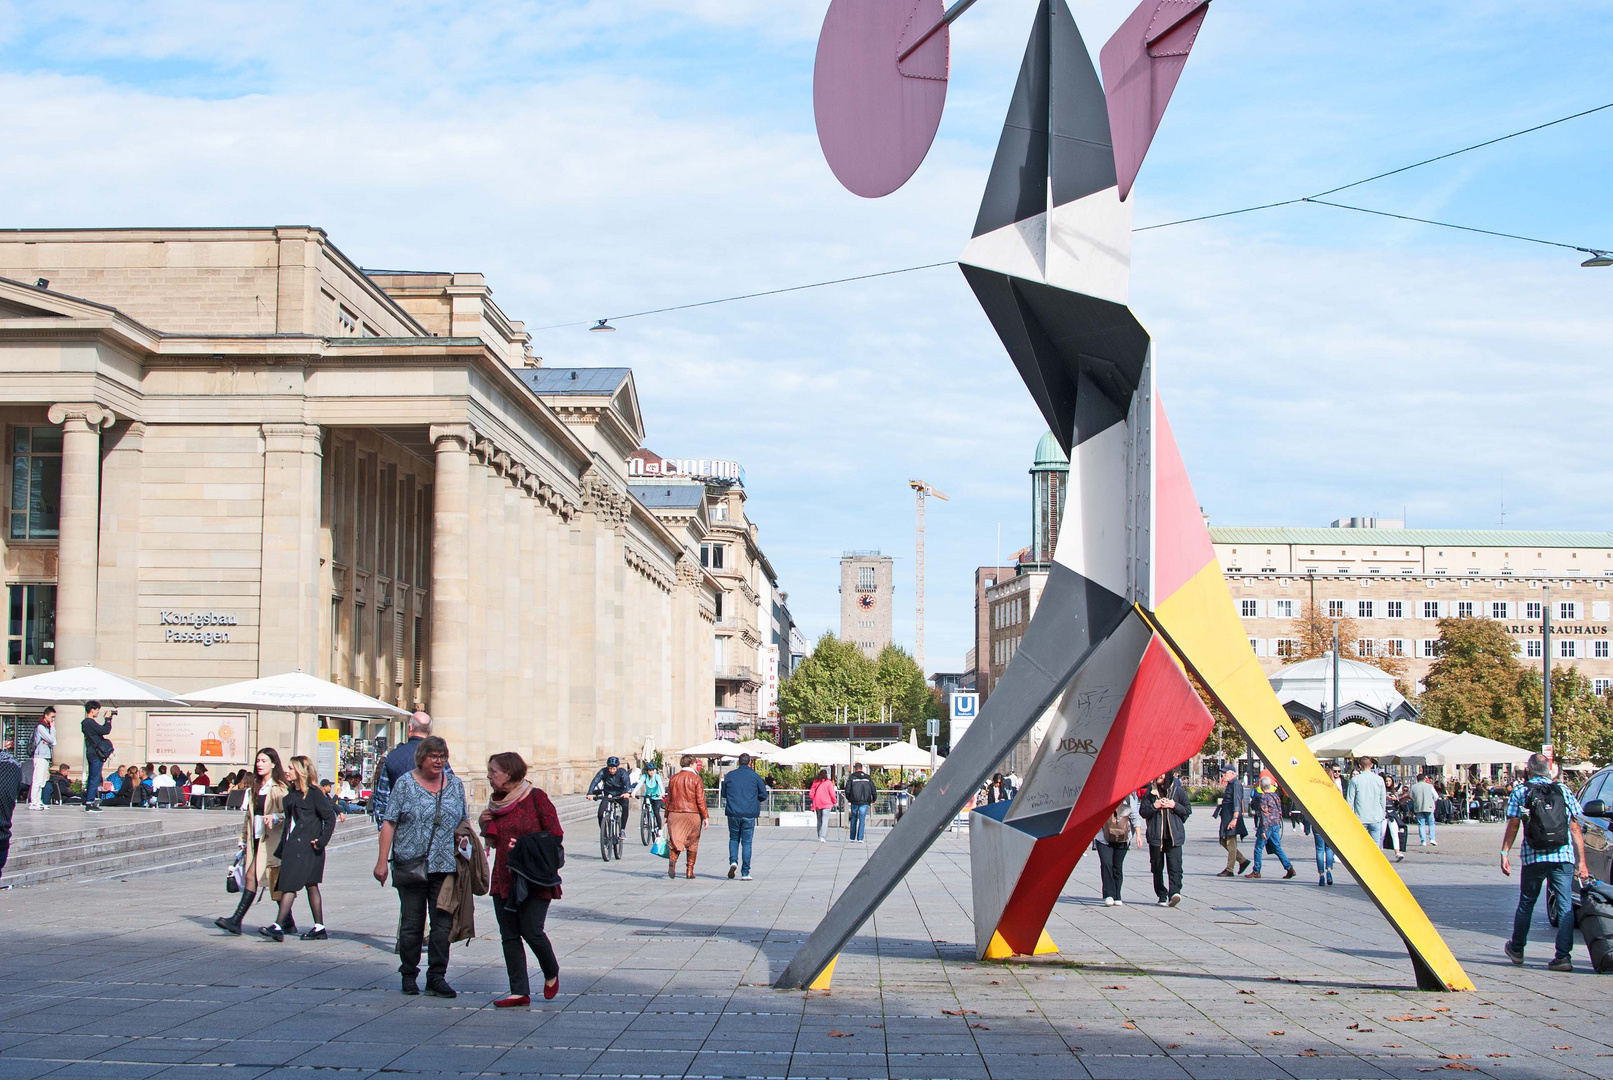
(610, 785)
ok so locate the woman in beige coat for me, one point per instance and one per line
(260, 832)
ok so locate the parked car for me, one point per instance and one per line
(1596, 799)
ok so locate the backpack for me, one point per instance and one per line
(1545, 817)
(1117, 830)
(860, 791)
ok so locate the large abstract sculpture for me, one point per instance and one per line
(1135, 601)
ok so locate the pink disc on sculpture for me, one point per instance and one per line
(877, 117)
(1141, 65)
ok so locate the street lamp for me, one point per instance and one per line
(1597, 258)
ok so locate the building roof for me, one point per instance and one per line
(1049, 452)
(1488, 538)
(1310, 683)
(575, 380)
(669, 496)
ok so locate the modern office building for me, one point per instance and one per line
(866, 596)
(233, 453)
(1396, 583)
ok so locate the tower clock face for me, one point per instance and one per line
(866, 602)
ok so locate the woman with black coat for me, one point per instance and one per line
(1166, 808)
(310, 821)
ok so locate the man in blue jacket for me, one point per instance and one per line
(742, 795)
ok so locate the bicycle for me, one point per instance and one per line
(610, 833)
(646, 822)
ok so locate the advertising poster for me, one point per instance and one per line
(193, 737)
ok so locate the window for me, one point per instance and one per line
(1287, 647)
(1531, 610)
(719, 648)
(1394, 647)
(1335, 609)
(1498, 609)
(1464, 609)
(1344, 569)
(1568, 610)
(1282, 609)
(1601, 686)
(1430, 609)
(719, 607)
(1363, 609)
(1363, 647)
(1428, 648)
(31, 633)
(346, 322)
(711, 556)
(1567, 649)
(1249, 608)
(1531, 648)
(865, 578)
(36, 482)
(1599, 649)
(719, 510)
(1394, 609)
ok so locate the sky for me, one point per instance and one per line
(598, 159)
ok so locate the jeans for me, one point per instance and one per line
(1274, 835)
(1561, 876)
(5, 853)
(823, 823)
(1374, 830)
(859, 821)
(519, 929)
(1323, 851)
(412, 914)
(1159, 860)
(1425, 827)
(741, 831)
(1111, 860)
(92, 781)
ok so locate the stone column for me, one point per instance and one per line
(450, 582)
(78, 541)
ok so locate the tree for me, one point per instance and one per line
(1225, 740)
(902, 688)
(1581, 719)
(1315, 634)
(835, 676)
(1477, 683)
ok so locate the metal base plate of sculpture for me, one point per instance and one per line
(1135, 602)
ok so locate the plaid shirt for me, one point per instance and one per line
(1564, 854)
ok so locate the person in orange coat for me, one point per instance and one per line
(686, 815)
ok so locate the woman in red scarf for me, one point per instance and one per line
(519, 809)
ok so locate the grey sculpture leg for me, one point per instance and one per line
(1073, 617)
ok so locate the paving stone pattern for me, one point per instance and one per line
(671, 979)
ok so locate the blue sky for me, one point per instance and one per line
(599, 158)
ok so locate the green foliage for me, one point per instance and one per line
(836, 675)
(1477, 683)
(902, 687)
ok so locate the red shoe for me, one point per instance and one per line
(514, 1001)
(551, 989)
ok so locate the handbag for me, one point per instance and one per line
(212, 747)
(235, 877)
(412, 873)
(659, 847)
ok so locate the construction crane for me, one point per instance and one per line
(921, 490)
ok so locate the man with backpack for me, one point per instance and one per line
(1553, 850)
(860, 795)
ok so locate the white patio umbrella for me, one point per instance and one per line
(756, 748)
(1469, 749)
(295, 692)
(1389, 738)
(901, 755)
(1338, 741)
(80, 684)
(829, 752)
(715, 748)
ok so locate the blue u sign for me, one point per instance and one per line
(965, 706)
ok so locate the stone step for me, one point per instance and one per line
(150, 838)
(66, 830)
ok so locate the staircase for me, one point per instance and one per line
(152, 842)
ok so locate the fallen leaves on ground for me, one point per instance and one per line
(958, 1012)
(1118, 986)
(1457, 1065)
(1357, 1027)
(1497, 1055)
(982, 1027)
(1455, 1057)
(1562, 1048)
(835, 1033)
(1407, 1019)
(1129, 1024)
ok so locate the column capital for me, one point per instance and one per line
(293, 438)
(461, 434)
(87, 413)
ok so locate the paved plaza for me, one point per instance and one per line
(129, 979)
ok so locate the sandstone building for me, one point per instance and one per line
(362, 475)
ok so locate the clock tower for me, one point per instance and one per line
(866, 600)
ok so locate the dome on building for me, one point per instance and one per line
(1367, 694)
(1050, 454)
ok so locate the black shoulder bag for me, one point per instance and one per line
(411, 873)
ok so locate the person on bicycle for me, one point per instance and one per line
(609, 786)
(652, 789)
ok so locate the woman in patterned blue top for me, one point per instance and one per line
(422, 812)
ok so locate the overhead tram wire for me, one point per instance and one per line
(1316, 200)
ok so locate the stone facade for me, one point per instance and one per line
(350, 469)
(866, 596)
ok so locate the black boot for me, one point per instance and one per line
(232, 924)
